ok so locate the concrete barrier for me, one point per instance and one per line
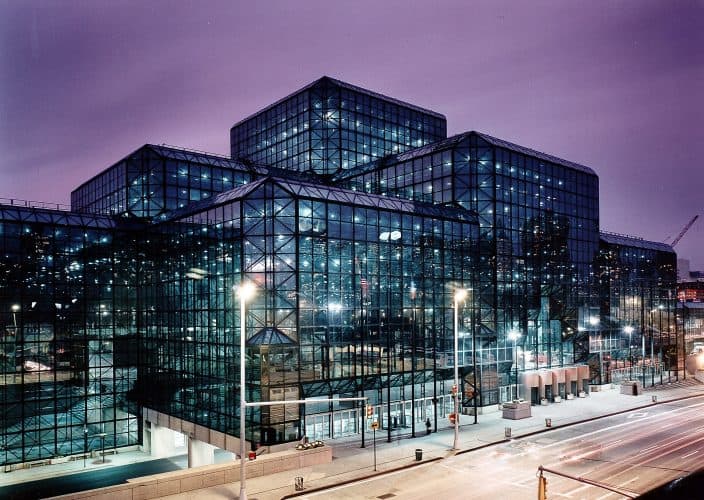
(182, 481)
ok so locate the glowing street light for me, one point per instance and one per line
(514, 335)
(460, 295)
(245, 291)
(15, 309)
(628, 330)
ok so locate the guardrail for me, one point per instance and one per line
(34, 204)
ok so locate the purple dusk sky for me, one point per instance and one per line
(614, 85)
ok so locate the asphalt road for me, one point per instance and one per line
(81, 481)
(634, 452)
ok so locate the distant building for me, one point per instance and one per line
(690, 291)
(685, 274)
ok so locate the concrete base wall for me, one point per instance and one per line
(203, 434)
(200, 453)
(174, 483)
(162, 442)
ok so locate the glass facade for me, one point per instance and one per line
(354, 298)
(331, 125)
(357, 220)
(539, 234)
(637, 336)
(156, 180)
(68, 288)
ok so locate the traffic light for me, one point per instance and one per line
(542, 487)
(370, 411)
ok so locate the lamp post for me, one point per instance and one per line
(657, 309)
(85, 444)
(628, 329)
(594, 323)
(642, 352)
(245, 291)
(15, 309)
(652, 335)
(660, 308)
(460, 295)
(412, 293)
(514, 334)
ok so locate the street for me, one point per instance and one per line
(635, 452)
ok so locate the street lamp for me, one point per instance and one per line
(15, 309)
(651, 363)
(642, 354)
(85, 444)
(514, 335)
(628, 329)
(334, 307)
(660, 365)
(245, 292)
(460, 295)
(413, 293)
(599, 342)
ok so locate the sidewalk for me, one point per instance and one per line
(350, 462)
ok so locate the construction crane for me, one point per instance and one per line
(684, 230)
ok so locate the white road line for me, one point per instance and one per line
(605, 496)
(454, 469)
(624, 424)
(371, 479)
(620, 486)
(629, 481)
(572, 492)
(627, 423)
(649, 448)
(690, 454)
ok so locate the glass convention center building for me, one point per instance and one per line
(357, 219)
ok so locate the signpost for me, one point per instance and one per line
(375, 426)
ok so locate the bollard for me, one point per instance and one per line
(548, 422)
(507, 432)
(655, 398)
(298, 483)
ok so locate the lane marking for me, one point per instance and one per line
(629, 481)
(572, 492)
(690, 454)
(606, 496)
(624, 424)
(369, 480)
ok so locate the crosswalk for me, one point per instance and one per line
(680, 384)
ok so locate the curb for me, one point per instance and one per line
(362, 478)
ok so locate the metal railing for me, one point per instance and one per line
(34, 204)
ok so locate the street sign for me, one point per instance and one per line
(375, 425)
